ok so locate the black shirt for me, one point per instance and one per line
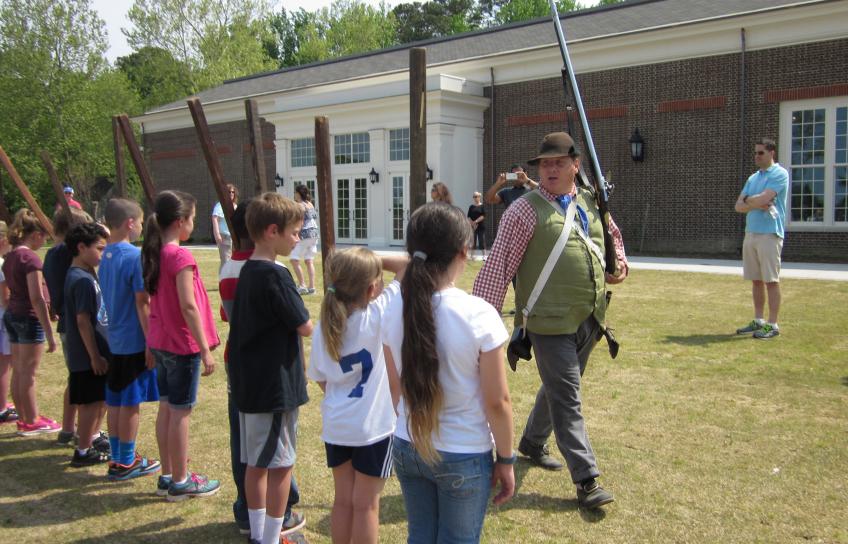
(82, 296)
(56, 265)
(265, 364)
(474, 212)
(512, 194)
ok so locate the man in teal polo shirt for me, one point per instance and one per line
(565, 322)
(763, 201)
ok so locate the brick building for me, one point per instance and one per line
(700, 80)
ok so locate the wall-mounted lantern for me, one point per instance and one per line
(373, 176)
(637, 146)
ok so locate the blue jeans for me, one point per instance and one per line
(178, 377)
(240, 505)
(445, 503)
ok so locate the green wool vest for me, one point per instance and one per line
(576, 287)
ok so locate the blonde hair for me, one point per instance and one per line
(348, 271)
(4, 230)
(24, 224)
(271, 209)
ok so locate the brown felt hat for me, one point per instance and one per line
(555, 144)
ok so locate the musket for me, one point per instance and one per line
(602, 188)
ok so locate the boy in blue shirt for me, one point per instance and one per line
(85, 326)
(132, 376)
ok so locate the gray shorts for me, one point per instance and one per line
(268, 440)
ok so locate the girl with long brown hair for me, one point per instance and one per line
(444, 355)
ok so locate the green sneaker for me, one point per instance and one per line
(197, 485)
(766, 332)
(753, 326)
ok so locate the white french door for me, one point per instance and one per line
(352, 209)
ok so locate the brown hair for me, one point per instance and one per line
(64, 222)
(119, 210)
(436, 234)
(168, 207)
(271, 209)
(304, 193)
(348, 272)
(24, 224)
(444, 194)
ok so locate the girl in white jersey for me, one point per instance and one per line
(347, 362)
(445, 359)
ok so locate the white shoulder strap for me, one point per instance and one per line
(553, 257)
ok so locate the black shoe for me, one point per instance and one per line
(591, 495)
(91, 457)
(539, 455)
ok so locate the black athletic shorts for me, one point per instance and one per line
(86, 387)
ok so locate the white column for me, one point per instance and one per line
(378, 235)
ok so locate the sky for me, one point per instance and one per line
(114, 13)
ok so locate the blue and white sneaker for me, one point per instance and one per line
(162, 485)
(196, 486)
(141, 466)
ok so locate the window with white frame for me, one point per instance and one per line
(352, 148)
(815, 140)
(303, 152)
(399, 144)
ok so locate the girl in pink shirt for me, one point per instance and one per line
(181, 336)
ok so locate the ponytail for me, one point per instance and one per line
(24, 224)
(349, 272)
(168, 207)
(436, 234)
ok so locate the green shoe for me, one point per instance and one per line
(766, 332)
(753, 326)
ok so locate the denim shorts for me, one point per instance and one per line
(446, 502)
(24, 329)
(177, 377)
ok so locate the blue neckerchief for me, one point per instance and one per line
(564, 201)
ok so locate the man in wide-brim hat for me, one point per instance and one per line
(566, 319)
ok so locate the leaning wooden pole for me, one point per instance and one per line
(120, 166)
(54, 181)
(22, 187)
(214, 164)
(417, 127)
(324, 187)
(257, 155)
(138, 159)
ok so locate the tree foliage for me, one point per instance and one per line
(59, 93)
(156, 76)
(424, 20)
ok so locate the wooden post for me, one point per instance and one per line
(214, 165)
(254, 128)
(324, 188)
(120, 167)
(138, 160)
(22, 187)
(4, 210)
(54, 181)
(417, 127)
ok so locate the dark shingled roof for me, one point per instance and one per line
(630, 16)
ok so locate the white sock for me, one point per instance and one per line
(273, 527)
(774, 326)
(82, 451)
(760, 320)
(182, 482)
(257, 523)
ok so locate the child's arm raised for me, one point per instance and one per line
(191, 314)
(498, 408)
(396, 264)
(99, 365)
(36, 298)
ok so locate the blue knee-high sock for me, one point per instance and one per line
(114, 445)
(126, 452)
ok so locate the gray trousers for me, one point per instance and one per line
(561, 360)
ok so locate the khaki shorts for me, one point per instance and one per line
(761, 257)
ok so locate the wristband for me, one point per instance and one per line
(506, 460)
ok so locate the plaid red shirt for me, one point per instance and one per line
(514, 233)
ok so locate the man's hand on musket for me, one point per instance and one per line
(620, 276)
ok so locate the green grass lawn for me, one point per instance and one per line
(702, 436)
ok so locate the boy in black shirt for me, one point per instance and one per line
(87, 348)
(265, 363)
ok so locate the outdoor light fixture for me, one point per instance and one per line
(637, 146)
(429, 173)
(373, 176)
(278, 180)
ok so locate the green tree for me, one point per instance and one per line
(59, 92)
(421, 21)
(156, 76)
(218, 39)
(501, 12)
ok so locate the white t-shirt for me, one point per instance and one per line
(357, 407)
(465, 326)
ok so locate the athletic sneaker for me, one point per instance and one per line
(295, 538)
(310, 291)
(591, 495)
(91, 457)
(302, 290)
(753, 326)
(101, 443)
(141, 466)
(67, 438)
(8, 415)
(197, 485)
(766, 332)
(42, 425)
(162, 485)
(292, 522)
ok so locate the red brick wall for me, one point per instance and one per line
(176, 162)
(679, 201)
